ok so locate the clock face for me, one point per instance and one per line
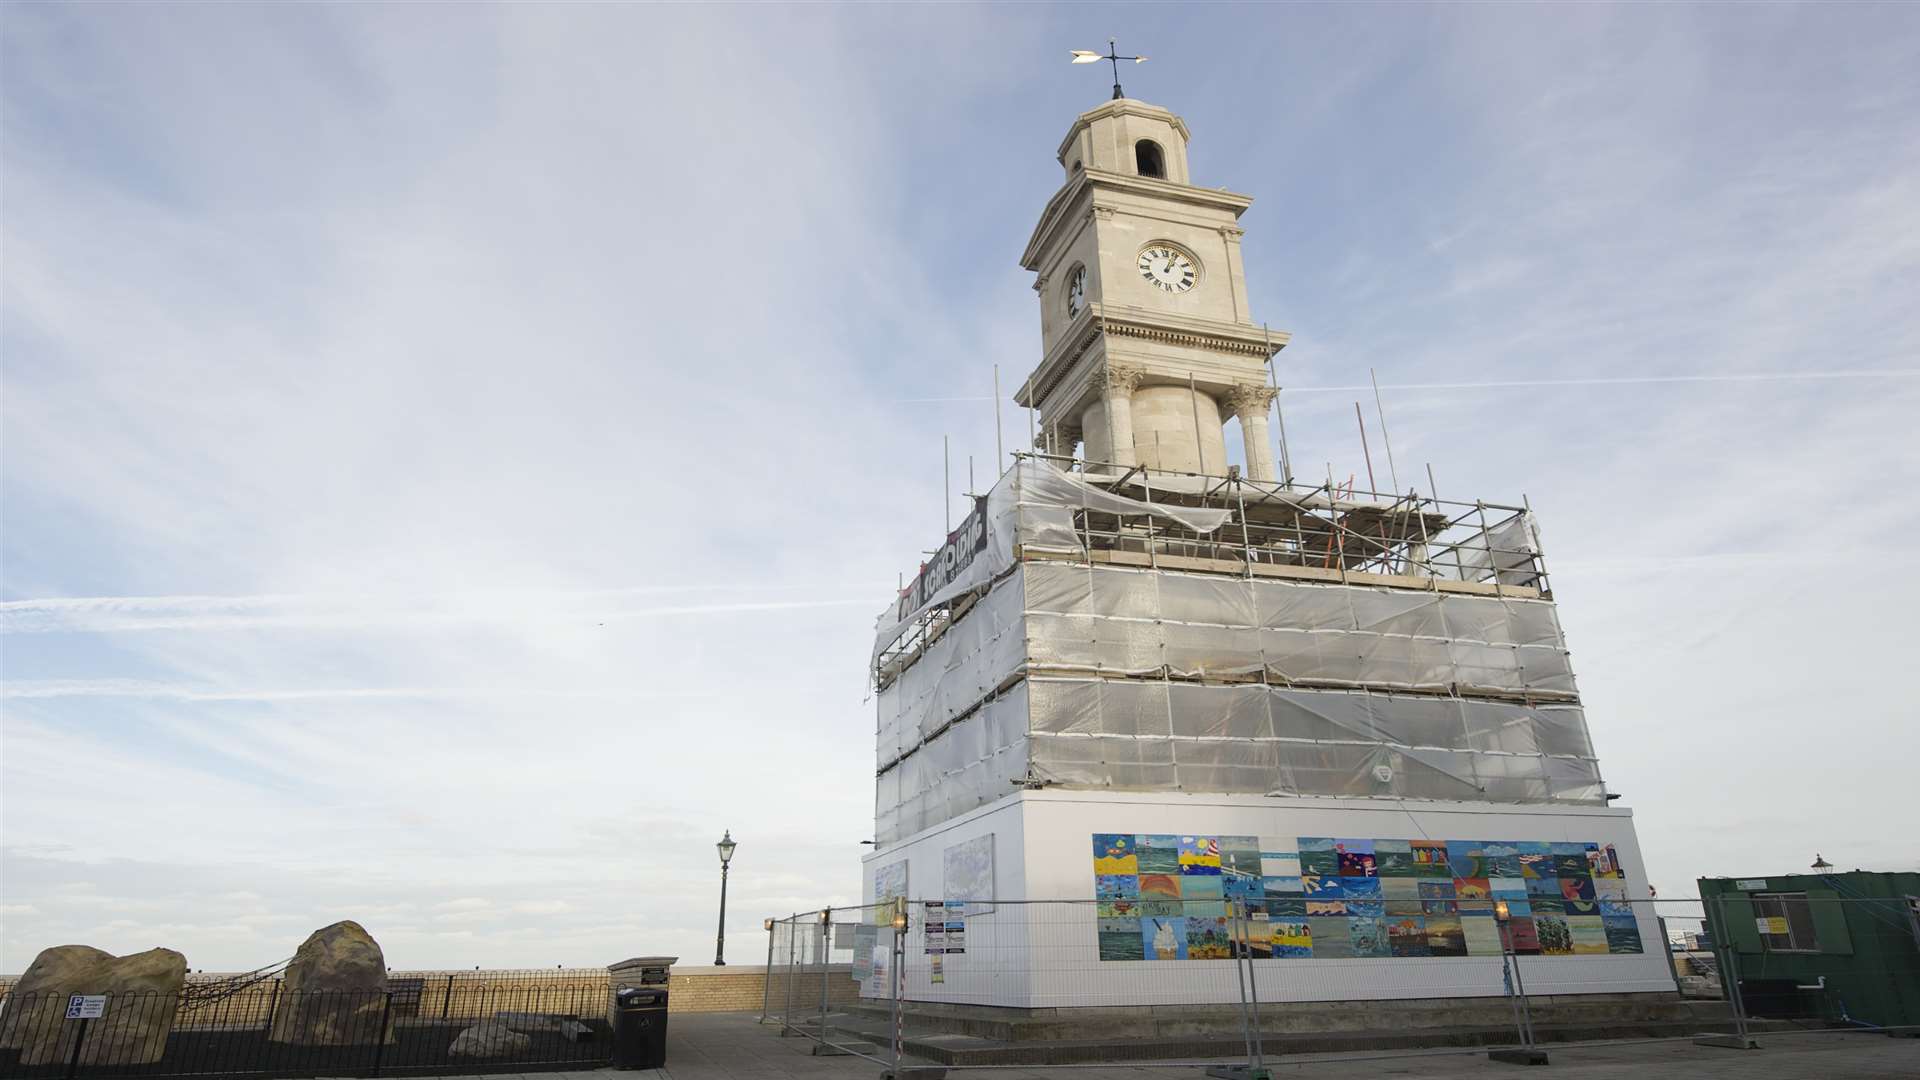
(1168, 268)
(1077, 292)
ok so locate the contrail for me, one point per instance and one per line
(100, 614)
(1625, 380)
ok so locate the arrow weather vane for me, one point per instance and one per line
(1081, 56)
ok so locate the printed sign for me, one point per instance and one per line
(1756, 884)
(865, 948)
(946, 931)
(1771, 924)
(86, 1006)
(955, 555)
(939, 975)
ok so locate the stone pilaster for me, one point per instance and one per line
(1115, 383)
(1250, 403)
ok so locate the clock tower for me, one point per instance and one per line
(1148, 345)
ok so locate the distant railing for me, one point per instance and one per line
(445, 1023)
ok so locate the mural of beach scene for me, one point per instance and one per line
(1168, 896)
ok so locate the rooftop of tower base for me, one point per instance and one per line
(1132, 629)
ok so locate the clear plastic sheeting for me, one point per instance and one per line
(1143, 622)
(958, 669)
(1270, 740)
(972, 762)
(1032, 507)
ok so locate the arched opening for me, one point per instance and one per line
(1148, 160)
(1076, 166)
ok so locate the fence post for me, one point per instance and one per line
(766, 974)
(1666, 944)
(1253, 988)
(80, 1037)
(898, 979)
(446, 1001)
(826, 953)
(793, 942)
(380, 1037)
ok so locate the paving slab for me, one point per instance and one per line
(735, 1046)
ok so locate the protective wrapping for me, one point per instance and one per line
(1042, 667)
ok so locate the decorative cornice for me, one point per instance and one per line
(1250, 399)
(1217, 342)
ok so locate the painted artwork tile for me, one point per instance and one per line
(1287, 907)
(1205, 909)
(1444, 936)
(1519, 909)
(1547, 887)
(1408, 936)
(1574, 865)
(1439, 907)
(1120, 940)
(1199, 856)
(1507, 888)
(1400, 888)
(1330, 887)
(1255, 935)
(1113, 853)
(1612, 894)
(1279, 864)
(1604, 862)
(889, 883)
(967, 872)
(1327, 907)
(1356, 864)
(1319, 864)
(1576, 888)
(1589, 935)
(1547, 905)
(1482, 936)
(1240, 886)
(1202, 887)
(1162, 909)
(1477, 908)
(1393, 858)
(1361, 888)
(1397, 908)
(1503, 858)
(1536, 860)
(1119, 909)
(1366, 909)
(1525, 936)
(1430, 858)
(1556, 937)
(1468, 859)
(1291, 938)
(1317, 857)
(1116, 886)
(1208, 938)
(1475, 888)
(1158, 853)
(1580, 907)
(1329, 936)
(1283, 886)
(1436, 889)
(1164, 939)
(1623, 934)
(1159, 886)
(1240, 854)
(1368, 937)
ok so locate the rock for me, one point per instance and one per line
(143, 990)
(489, 1039)
(335, 990)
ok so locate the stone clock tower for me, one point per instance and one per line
(1149, 346)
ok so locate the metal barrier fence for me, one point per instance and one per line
(1468, 972)
(445, 1025)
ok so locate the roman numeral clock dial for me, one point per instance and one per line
(1168, 269)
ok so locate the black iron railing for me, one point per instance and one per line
(417, 1026)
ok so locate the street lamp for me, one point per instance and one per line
(725, 847)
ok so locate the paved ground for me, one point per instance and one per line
(733, 1046)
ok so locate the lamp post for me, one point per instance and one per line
(725, 847)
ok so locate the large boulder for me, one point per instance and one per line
(142, 989)
(335, 993)
(489, 1039)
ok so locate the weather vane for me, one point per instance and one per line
(1081, 56)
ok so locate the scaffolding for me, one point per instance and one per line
(1102, 626)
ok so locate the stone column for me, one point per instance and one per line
(1116, 383)
(1250, 403)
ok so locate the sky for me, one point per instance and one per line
(451, 457)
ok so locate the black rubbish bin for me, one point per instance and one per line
(640, 1027)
